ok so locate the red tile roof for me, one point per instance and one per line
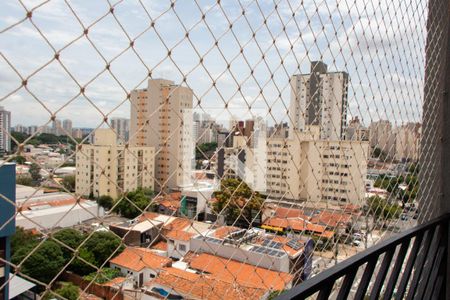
(171, 201)
(116, 282)
(295, 224)
(244, 274)
(179, 235)
(223, 231)
(177, 224)
(147, 216)
(137, 259)
(161, 245)
(331, 218)
(196, 286)
(283, 212)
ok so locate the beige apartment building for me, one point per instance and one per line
(161, 117)
(107, 168)
(305, 168)
(407, 146)
(382, 136)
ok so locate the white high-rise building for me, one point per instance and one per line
(122, 127)
(5, 127)
(57, 127)
(161, 117)
(319, 98)
(107, 168)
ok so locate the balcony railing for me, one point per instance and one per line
(411, 265)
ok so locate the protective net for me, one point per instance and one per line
(206, 149)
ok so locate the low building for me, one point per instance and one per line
(48, 215)
(243, 274)
(152, 228)
(139, 263)
(255, 247)
(173, 283)
(142, 231)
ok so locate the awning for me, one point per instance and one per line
(18, 285)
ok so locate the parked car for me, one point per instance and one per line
(358, 236)
(356, 243)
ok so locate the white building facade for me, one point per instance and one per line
(5, 125)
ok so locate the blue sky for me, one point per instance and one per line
(380, 46)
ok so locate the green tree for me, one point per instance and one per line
(24, 180)
(35, 172)
(205, 151)
(81, 265)
(102, 245)
(378, 153)
(134, 203)
(379, 208)
(73, 238)
(105, 201)
(237, 201)
(18, 136)
(69, 237)
(44, 264)
(69, 182)
(414, 168)
(22, 238)
(19, 159)
(67, 290)
(48, 138)
(105, 275)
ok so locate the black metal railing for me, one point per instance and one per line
(411, 265)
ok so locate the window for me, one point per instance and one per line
(182, 247)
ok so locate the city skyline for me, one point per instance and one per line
(108, 96)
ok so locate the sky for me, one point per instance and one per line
(238, 64)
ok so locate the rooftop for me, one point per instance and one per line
(194, 286)
(244, 274)
(137, 259)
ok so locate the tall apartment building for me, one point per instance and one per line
(319, 98)
(19, 128)
(67, 126)
(407, 145)
(77, 133)
(356, 131)
(57, 127)
(244, 161)
(7, 209)
(279, 131)
(382, 136)
(161, 117)
(310, 169)
(108, 168)
(32, 129)
(5, 127)
(122, 127)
